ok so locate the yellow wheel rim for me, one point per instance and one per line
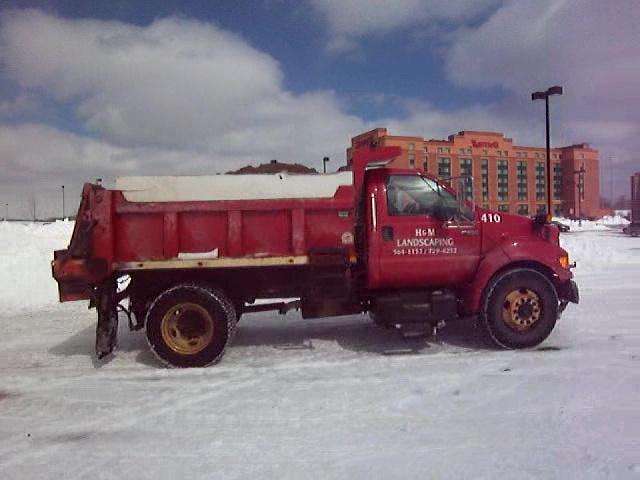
(521, 309)
(187, 328)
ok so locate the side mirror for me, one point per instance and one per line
(465, 198)
(540, 219)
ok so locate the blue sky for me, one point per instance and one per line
(100, 89)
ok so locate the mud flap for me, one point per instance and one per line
(107, 328)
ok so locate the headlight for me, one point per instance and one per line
(564, 261)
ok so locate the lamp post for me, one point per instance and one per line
(63, 202)
(324, 164)
(611, 183)
(580, 185)
(6, 217)
(545, 96)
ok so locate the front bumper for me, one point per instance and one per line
(568, 293)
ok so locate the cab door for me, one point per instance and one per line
(423, 239)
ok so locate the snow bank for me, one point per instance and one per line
(604, 224)
(26, 252)
(601, 250)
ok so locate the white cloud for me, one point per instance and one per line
(351, 20)
(591, 48)
(173, 82)
(176, 84)
(585, 44)
(178, 96)
(363, 17)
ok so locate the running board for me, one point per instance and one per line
(281, 307)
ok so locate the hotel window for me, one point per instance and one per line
(523, 193)
(557, 210)
(555, 156)
(503, 207)
(424, 163)
(505, 153)
(518, 154)
(524, 154)
(412, 146)
(543, 155)
(461, 151)
(466, 169)
(425, 150)
(557, 180)
(485, 179)
(503, 181)
(447, 150)
(468, 151)
(484, 152)
(444, 168)
(439, 149)
(537, 155)
(582, 155)
(523, 209)
(542, 208)
(412, 161)
(498, 153)
(540, 181)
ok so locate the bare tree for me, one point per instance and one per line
(32, 207)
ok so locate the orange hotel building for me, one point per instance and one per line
(507, 177)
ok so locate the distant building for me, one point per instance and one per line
(635, 197)
(507, 177)
(274, 167)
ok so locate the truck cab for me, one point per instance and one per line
(431, 255)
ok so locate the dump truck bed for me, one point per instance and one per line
(199, 222)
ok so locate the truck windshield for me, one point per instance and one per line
(417, 195)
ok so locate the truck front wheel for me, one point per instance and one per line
(190, 325)
(519, 309)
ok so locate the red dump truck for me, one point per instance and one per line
(197, 252)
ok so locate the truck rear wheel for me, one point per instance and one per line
(519, 310)
(190, 325)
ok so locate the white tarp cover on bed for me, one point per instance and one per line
(231, 187)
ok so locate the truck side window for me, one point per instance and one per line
(416, 195)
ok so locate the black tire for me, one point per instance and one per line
(519, 309)
(190, 325)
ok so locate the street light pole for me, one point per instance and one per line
(324, 164)
(580, 185)
(545, 96)
(63, 202)
(611, 183)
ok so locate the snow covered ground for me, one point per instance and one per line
(322, 399)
